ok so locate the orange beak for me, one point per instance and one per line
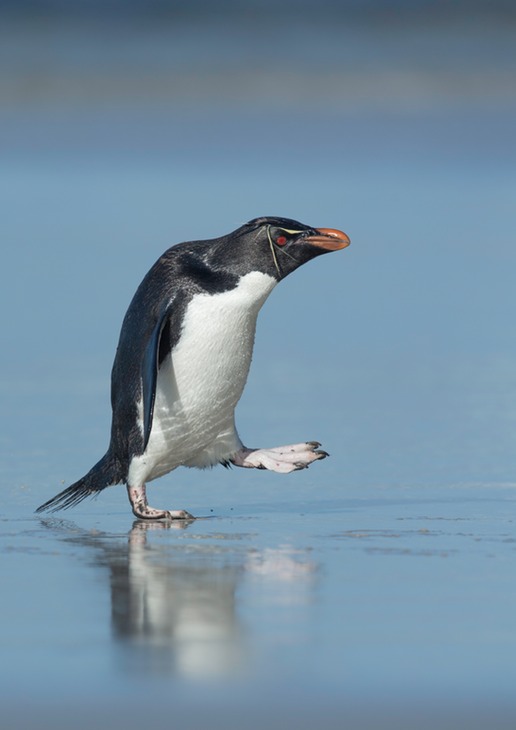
(329, 238)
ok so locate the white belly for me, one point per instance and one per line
(202, 380)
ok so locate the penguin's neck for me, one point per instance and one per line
(218, 330)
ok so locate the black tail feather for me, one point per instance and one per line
(105, 473)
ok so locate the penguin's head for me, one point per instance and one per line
(281, 245)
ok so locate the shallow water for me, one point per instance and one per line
(372, 590)
(359, 605)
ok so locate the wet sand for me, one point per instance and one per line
(374, 606)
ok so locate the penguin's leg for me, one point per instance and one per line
(282, 459)
(138, 499)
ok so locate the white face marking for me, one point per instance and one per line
(200, 384)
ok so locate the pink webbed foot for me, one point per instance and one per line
(141, 509)
(282, 459)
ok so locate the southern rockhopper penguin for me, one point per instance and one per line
(183, 357)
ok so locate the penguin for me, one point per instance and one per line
(183, 358)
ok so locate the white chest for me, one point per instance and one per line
(201, 382)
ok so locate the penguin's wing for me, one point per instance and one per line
(150, 365)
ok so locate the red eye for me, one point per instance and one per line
(281, 240)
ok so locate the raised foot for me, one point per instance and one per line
(282, 459)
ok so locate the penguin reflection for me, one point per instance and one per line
(176, 604)
(175, 614)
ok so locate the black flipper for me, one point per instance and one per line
(105, 473)
(150, 366)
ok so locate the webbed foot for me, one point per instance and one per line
(142, 510)
(282, 459)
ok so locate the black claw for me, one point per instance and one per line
(313, 444)
(321, 454)
(300, 465)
